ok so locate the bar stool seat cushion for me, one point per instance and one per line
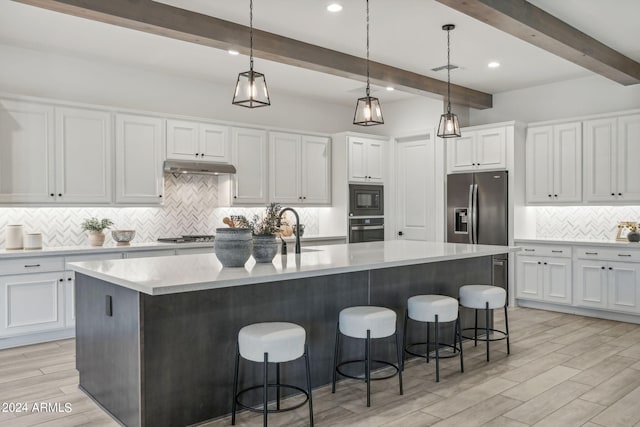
(283, 341)
(355, 321)
(477, 296)
(424, 308)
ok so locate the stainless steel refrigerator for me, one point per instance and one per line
(477, 212)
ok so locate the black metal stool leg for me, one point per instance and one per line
(335, 358)
(266, 388)
(486, 326)
(400, 368)
(437, 344)
(368, 366)
(235, 387)
(278, 386)
(306, 360)
(506, 328)
(404, 337)
(460, 340)
(428, 340)
(475, 335)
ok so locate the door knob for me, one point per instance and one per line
(400, 233)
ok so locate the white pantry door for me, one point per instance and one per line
(415, 188)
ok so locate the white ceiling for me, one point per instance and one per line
(404, 33)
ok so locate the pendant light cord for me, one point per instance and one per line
(448, 72)
(251, 35)
(368, 48)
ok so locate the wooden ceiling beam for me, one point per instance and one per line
(533, 25)
(173, 22)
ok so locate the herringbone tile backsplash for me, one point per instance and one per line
(190, 207)
(583, 222)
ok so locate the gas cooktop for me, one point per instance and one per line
(188, 238)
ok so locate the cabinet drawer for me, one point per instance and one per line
(545, 250)
(621, 254)
(31, 265)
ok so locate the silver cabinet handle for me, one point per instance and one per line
(367, 227)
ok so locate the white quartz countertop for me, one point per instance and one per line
(581, 242)
(184, 273)
(134, 246)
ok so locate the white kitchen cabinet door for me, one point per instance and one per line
(83, 156)
(315, 171)
(214, 143)
(628, 153)
(182, 140)
(358, 159)
(461, 153)
(624, 284)
(491, 149)
(27, 156)
(529, 278)
(140, 151)
(600, 139)
(69, 299)
(567, 162)
(557, 281)
(249, 156)
(375, 161)
(31, 303)
(591, 284)
(285, 168)
(539, 169)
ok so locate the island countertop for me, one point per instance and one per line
(185, 273)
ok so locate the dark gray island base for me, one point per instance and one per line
(167, 360)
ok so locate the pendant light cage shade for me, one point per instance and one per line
(449, 126)
(251, 90)
(368, 112)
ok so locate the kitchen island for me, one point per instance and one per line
(155, 337)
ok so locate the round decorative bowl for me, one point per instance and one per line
(233, 246)
(123, 237)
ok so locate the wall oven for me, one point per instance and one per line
(366, 200)
(366, 230)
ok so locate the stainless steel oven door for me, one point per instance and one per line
(366, 230)
(366, 200)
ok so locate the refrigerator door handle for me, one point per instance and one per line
(470, 213)
(475, 213)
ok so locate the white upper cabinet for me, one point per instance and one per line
(249, 156)
(83, 156)
(366, 160)
(27, 154)
(482, 149)
(611, 150)
(140, 151)
(205, 142)
(554, 163)
(300, 169)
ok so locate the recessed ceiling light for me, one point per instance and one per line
(493, 64)
(233, 52)
(390, 88)
(334, 7)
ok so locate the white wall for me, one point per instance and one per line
(572, 98)
(54, 75)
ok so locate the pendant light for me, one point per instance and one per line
(449, 126)
(368, 111)
(251, 88)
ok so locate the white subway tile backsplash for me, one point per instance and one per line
(582, 222)
(190, 207)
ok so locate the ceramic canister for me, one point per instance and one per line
(14, 237)
(33, 241)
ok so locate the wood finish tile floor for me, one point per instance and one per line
(564, 370)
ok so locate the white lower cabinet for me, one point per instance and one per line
(544, 279)
(608, 285)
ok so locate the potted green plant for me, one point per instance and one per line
(264, 232)
(95, 228)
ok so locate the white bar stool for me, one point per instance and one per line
(433, 309)
(486, 297)
(366, 322)
(271, 342)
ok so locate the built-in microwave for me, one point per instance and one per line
(366, 200)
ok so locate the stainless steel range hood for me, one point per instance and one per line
(177, 167)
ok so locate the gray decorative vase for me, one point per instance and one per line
(233, 246)
(633, 236)
(265, 247)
